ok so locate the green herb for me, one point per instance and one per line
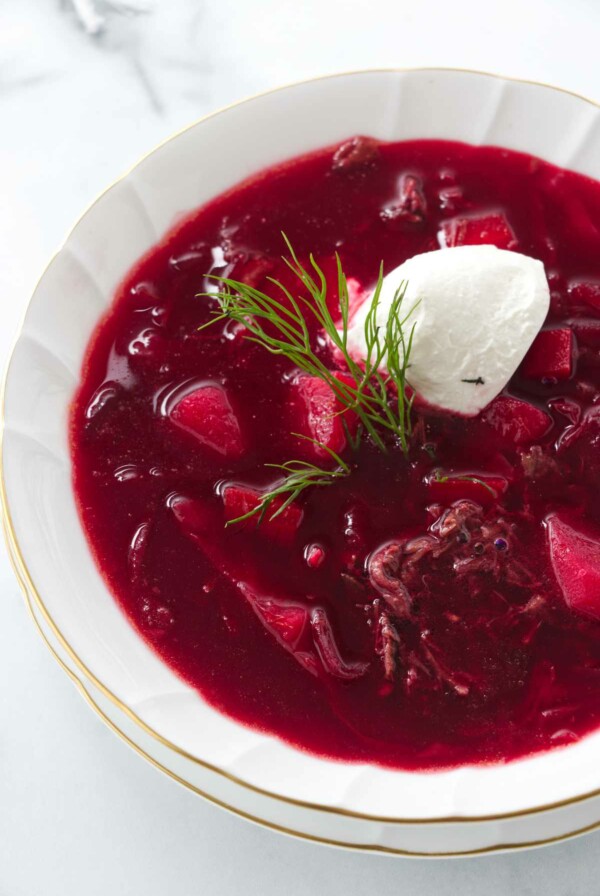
(281, 328)
(352, 439)
(464, 478)
(299, 475)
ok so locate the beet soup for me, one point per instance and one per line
(417, 605)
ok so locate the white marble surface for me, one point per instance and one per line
(80, 815)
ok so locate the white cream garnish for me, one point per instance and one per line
(479, 309)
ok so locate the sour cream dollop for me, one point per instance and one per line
(477, 309)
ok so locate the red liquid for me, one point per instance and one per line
(486, 662)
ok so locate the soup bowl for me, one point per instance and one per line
(466, 810)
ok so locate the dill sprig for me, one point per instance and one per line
(298, 476)
(379, 400)
(437, 477)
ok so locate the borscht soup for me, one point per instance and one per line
(336, 450)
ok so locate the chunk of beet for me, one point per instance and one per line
(240, 499)
(356, 155)
(551, 355)
(516, 420)
(483, 488)
(585, 292)
(587, 332)
(492, 229)
(284, 620)
(320, 415)
(411, 205)
(207, 414)
(576, 562)
(287, 622)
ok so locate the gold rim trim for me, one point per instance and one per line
(28, 586)
(362, 847)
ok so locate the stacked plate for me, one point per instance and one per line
(463, 811)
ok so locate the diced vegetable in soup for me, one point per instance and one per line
(320, 552)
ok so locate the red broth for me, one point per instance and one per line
(404, 615)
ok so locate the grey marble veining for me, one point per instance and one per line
(87, 86)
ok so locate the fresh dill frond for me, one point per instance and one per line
(379, 400)
(437, 476)
(353, 439)
(298, 476)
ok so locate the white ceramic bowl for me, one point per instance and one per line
(470, 809)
